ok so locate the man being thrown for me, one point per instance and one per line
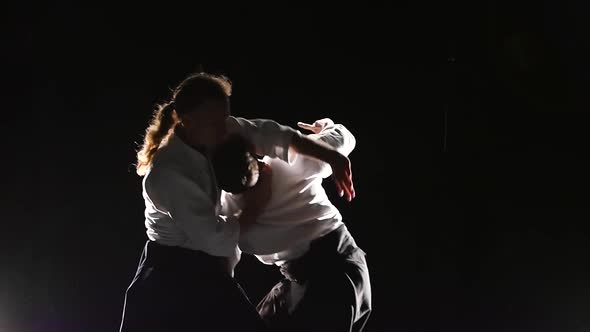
(293, 224)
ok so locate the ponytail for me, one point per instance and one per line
(156, 134)
(187, 97)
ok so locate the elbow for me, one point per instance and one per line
(348, 139)
(352, 143)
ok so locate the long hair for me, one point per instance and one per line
(186, 97)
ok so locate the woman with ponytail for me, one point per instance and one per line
(185, 274)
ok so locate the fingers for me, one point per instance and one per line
(339, 188)
(314, 128)
(342, 176)
(346, 190)
(345, 186)
(349, 188)
(304, 125)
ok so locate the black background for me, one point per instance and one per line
(470, 166)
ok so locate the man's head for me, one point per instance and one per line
(235, 164)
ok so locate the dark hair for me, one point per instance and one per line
(235, 165)
(186, 97)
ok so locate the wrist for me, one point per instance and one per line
(314, 148)
(332, 157)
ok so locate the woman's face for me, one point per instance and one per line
(207, 124)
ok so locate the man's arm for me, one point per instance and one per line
(192, 210)
(235, 208)
(336, 138)
(269, 137)
(334, 134)
(275, 140)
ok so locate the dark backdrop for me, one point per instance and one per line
(470, 166)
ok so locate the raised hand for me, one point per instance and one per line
(342, 174)
(317, 126)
